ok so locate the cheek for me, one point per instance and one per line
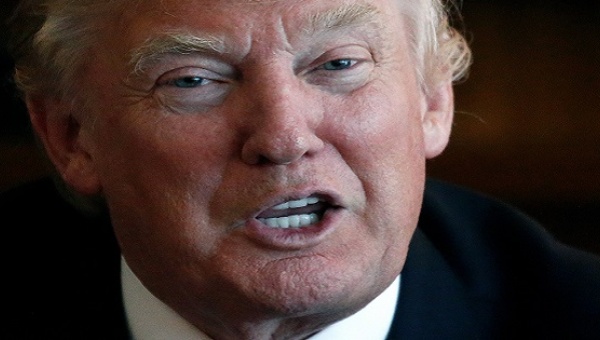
(381, 141)
(160, 149)
(381, 135)
(155, 179)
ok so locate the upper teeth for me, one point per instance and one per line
(293, 221)
(296, 204)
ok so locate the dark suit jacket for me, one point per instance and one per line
(476, 269)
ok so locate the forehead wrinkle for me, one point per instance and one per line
(182, 43)
(345, 16)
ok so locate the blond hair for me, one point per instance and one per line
(440, 50)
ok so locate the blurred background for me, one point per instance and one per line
(527, 126)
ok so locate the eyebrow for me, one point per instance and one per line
(183, 42)
(174, 42)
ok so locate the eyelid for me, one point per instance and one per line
(188, 72)
(208, 66)
(356, 52)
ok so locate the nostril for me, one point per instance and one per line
(262, 160)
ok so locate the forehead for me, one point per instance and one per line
(242, 17)
(236, 9)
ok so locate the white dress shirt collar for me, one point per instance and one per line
(149, 318)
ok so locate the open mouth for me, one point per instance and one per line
(299, 213)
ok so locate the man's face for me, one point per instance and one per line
(266, 158)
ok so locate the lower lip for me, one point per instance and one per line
(293, 238)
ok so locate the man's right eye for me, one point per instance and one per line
(189, 82)
(191, 90)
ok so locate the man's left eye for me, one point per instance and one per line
(338, 64)
(189, 82)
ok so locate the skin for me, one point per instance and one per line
(185, 171)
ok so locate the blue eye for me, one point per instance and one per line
(338, 64)
(189, 82)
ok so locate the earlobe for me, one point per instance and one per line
(437, 120)
(61, 134)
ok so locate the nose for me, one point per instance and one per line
(282, 120)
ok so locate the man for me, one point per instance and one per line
(262, 165)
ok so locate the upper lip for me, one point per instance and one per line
(291, 204)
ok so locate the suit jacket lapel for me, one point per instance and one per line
(432, 302)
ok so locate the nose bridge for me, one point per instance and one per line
(283, 116)
(276, 100)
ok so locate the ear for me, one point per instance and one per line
(437, 120)
(61, 134)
